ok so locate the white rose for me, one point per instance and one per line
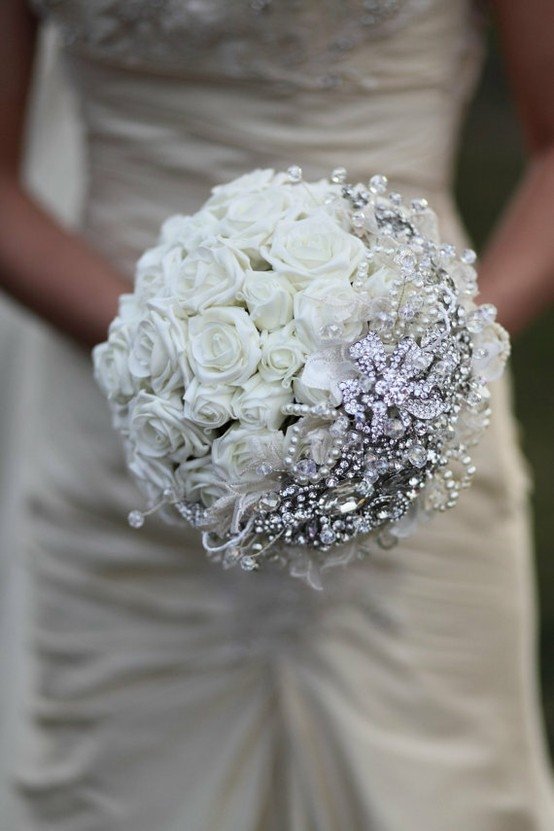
(111, 364)
(313, 247)
(259, 403)
(377, 287)
(491, 350)
(312, 198)
(250, 218)
(224, 346)
(158, 355)
(199, 482)
(307, 394)
(322, 375)
(208, 405)
(188, 232)
(156, 270)
(210, 276)
(283, 354)
(380, 283)
(130, 309)
(154, 475)
(158, 429)
(315, 198)
(252, 182)
(268, 298)
(238, 453)
(328, 304)
(149, 273)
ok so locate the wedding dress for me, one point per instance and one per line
(167, 694)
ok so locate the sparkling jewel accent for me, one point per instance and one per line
(417, 455)
(295, 173)
(338, 176)
(136, 519)
(393, 436)
(291, 43)
(404, 401)
(378, 184)
(468, 256)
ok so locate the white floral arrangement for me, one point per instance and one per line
(300, 370)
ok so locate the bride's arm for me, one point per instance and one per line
(517, 271)
(49, 270)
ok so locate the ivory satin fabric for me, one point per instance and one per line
(50, 152)
(168, 695)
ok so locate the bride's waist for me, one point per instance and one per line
(157, 151)
(210, 132)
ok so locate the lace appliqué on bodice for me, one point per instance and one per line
(306, 41)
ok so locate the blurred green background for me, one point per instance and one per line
(490, 163)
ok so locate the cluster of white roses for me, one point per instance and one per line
(301, 364)
(213, 341)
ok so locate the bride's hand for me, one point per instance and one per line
(50, 271)
(517, 271)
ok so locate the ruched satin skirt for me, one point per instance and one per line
(168, 694)
(165, 694)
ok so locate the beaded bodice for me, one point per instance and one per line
(311, 42)
(178, 95)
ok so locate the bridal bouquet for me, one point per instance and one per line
(300, 370)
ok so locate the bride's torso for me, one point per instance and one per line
(178, 95)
